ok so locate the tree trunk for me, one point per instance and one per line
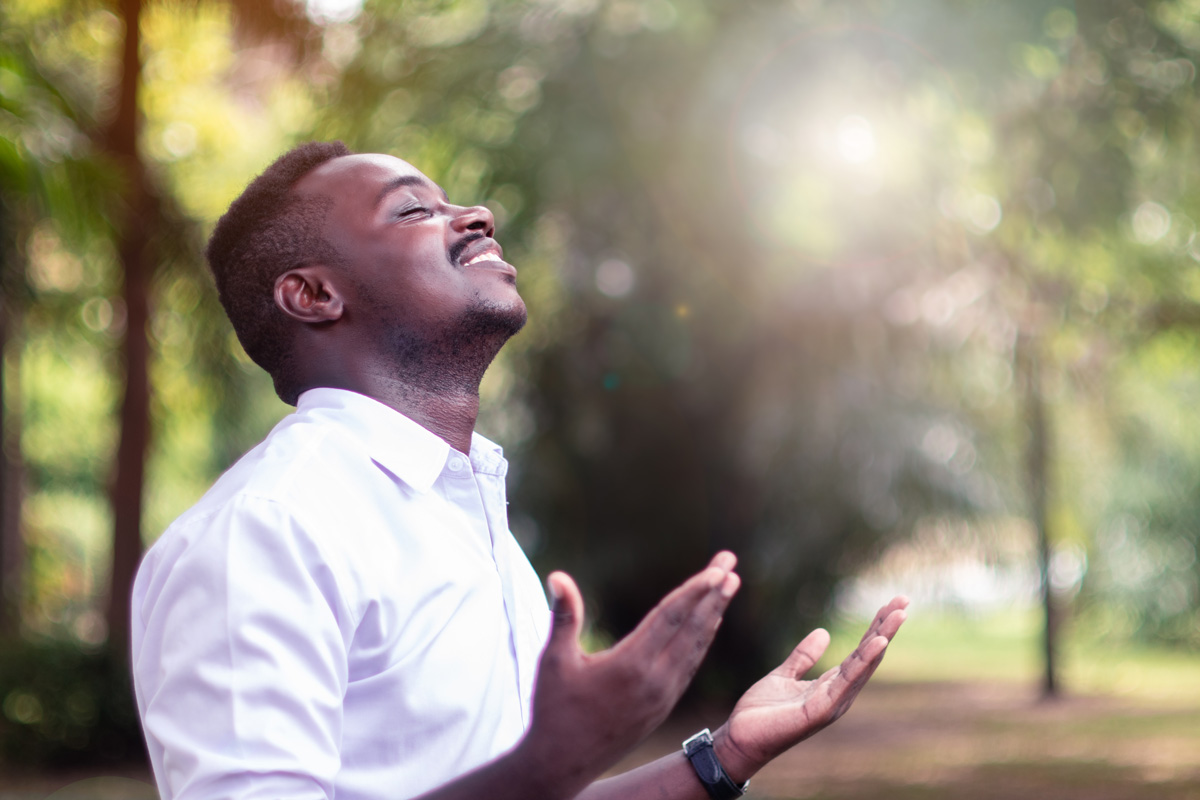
(1029, 361)
(12, 546)
(127, 484)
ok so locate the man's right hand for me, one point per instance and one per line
(590, 709)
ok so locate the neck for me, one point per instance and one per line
(450, 414)
(436, 387)
(430, 377)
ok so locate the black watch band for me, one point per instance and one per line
(718, 784)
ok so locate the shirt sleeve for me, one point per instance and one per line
(240, 658)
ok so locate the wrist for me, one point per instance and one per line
(545, 772)
(738, 765)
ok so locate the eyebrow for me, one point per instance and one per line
(406, 180)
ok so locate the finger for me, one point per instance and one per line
(683, 654)
(805, 654)
(891, 624)
(566, 603)
(724, 560)
(897, 603)
(885, 627)
(666, 619)
(861, 664)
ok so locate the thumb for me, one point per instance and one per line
(567, 604)
(806, 654)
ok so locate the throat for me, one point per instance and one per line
(449, 415)
(434, 379)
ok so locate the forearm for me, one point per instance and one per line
(669, 778)
(527, 772)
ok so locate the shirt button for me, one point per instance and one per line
(455, 464)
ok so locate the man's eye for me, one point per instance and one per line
(412, 211)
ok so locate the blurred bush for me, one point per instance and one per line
(66, 707)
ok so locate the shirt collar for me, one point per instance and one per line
(403, 447)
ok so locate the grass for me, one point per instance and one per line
(1006, 648)
(956, 712)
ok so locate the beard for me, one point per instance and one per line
(453, 357)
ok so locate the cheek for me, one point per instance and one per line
(433, 296)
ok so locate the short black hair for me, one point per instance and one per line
(268, 230)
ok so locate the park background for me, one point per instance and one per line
(884, 296)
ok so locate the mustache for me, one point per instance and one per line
(456, 249)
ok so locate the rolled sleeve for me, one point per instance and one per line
(241, 658)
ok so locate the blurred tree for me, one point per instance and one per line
(154, 242)
(43, 174)
(1089, 158)
(133, 221)
(684, 385)
(63, 192)
(141, 219)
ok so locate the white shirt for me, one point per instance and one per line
(344, 614)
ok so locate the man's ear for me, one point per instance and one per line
(307, 295)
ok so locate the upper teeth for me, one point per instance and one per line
(489, 256)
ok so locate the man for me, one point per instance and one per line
(345, 613)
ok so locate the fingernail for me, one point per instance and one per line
(552, 590)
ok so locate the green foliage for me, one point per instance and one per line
(62, 285)
(1099, 240)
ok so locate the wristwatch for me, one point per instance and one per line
(718, 784)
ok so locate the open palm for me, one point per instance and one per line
(783, 709)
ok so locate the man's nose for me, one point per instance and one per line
(477, 219)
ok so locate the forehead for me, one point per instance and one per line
(361, 178)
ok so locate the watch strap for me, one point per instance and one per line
(718, 784)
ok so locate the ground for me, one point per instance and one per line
(937, 741)
(909, 741)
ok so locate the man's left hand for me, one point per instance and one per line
(783, 709)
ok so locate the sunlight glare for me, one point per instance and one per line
(855, 140)
(329, 11)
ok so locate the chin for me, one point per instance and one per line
(488, 320)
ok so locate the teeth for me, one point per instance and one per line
(483, 257)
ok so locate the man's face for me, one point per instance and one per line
(419, 266)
